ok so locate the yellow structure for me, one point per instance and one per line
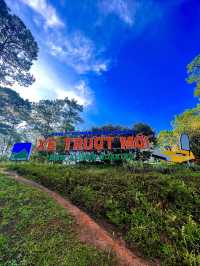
(176, 154)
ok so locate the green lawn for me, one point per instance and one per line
(34, 230)
(156, 208)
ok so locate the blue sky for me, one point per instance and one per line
(124, 60)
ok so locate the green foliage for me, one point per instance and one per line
(21, 120)
(189, 122)
(14, 111)
(146, 130)
(194, 74)
(167, 138)
(109, 128)
(155, 207)
(18, 49)
(34, 230)
(195, 143)
(55, 115)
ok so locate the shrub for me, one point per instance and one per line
(156, 208)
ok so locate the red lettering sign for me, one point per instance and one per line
(109, 142)
(138, 142)
(98, 143)
(88, 144)
(141, 142)
(46, 144)
(127, 143)
(95, 143)
(67, 144)
(41, 145)
(78, 144)
(51, 145)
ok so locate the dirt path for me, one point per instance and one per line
(89, 232)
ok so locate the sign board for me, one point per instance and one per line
(93, 146)
(95, 143)
(21, 152)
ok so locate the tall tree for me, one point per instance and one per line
(45, 115)
(70, 114)
(14, 112)
(146, 130)
(54, 115)
(18, 49)
(194, 74)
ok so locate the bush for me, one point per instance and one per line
(155, 207)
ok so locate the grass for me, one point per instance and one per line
(34, 230)
(156, 208)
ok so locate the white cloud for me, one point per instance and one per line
(80, 92)
(77, 51)
(47, 86)
(71, 49)
(47, 11)
(124, 9)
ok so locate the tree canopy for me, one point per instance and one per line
(24, 120)
(55, 115)
(109, 128)
(18, 49)
(194, 74)
(167, 138)
(188, 122)
(13, 111)
(139, 128)
(146, 130)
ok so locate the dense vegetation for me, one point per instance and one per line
(187, 122)
(156, 208)
(34, 230)
(18, 49)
